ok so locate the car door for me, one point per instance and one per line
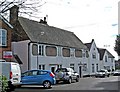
(30, 77)
(42, 76)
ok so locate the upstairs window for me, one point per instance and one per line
(66, 52)
(51, 51)
(35, 49)
(41, 50)
(105, 58)
(94, 55)
(3, 37)
(87, 55)
(78, 53)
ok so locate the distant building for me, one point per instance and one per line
(5, 39)
(107, 60)
(99, 58)
(117, 64)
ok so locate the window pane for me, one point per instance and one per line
(0, 40)
(84, 67)
(66, 52)
(87, 55)
(34, 49)
(78, 53)
(51, 51)
(4, 41)
(72, 66)
(3, 37)
(93, 68)
(41, 50)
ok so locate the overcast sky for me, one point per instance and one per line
(88, 19)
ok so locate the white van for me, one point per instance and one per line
(11, 71)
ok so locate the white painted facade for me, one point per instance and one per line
(24, 50)
(82, 65)
(94, 59)
(107, 62)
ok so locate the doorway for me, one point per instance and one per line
(80, 71)
(53, 69)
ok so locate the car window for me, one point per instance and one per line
(62, 70)
(101, 71)
(117, 70)
(25, 74)
(72, 70)
(30, 73)
(42, 72)
(14, 68)
(34, 73)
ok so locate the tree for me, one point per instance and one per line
(27, 7)
(117, 45)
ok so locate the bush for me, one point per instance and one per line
(3, 83)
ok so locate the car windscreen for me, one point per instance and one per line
(101, 71)
(61, 70)
(117, 70)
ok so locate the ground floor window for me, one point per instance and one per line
(84, 67)
(93, 68)
(72, 66)
(42, 67)
(96, 67)
(59, 66)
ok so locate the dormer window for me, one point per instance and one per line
(3, 37)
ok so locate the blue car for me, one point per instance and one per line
(40, 77)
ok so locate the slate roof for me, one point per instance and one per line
(102, 52)
(38, 32)
(88, 45)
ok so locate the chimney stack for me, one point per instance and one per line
(43, 21)
(14, 14)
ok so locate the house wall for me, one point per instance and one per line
(21, 49)
(55, 61)
(94, 60)
(110, 64)
(3, 25)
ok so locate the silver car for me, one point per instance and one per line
(66, 75)
(102, 73)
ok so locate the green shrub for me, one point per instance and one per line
(3, 83)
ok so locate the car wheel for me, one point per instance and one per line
(47, 84)
(77, 79)
(70, 80)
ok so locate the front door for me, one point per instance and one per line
(53, 69)
(80, 71)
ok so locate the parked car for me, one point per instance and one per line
(116, 73)
(66, 75)
(11, 71)
(40, 77)
(102, 73)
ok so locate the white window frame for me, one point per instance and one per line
(1, 37)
